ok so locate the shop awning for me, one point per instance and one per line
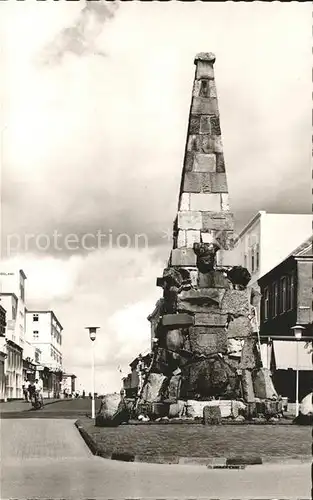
(285, 353)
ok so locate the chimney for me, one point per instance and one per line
(203, 208)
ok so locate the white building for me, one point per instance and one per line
(44, 331)
(12, 296)
(267, 240)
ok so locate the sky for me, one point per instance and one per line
(94, 110)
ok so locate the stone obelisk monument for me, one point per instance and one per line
(205, 339)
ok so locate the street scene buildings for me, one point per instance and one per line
(30, 343)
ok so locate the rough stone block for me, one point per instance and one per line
(189, 220)
(239, 328)
(204, 163)
(196, 88)
(192, 236)
(181, 238)
(210, 319)
(183, 257)
(204, 202)
(203, 296)
(194, 125)
(177, 320)
(217, 144)
(219, 182)
(218, 221)
(174, 340)
(207, 237)
(204, 70)
(192, 182)
(248, 354)
(236, 302)
(213, 279)
(189, 160)
(220, 163)
(204, 106)
(205, 124)
(208, 340)
(206, 144)
(194, 277)
(247, 386)
(263, 384)
(206, 182)
(184, 203)
(194, 143)
(212, 87)
(212, 415)
(224, 238)
(204, 88)
(215, 125)
(225, 202)
(234, 347)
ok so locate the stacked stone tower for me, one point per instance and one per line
(203, 209)
(205, 337)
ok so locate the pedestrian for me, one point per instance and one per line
(25, 389)
(39, 389)
(31, 391)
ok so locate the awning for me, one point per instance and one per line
(285, 353)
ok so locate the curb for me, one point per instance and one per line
(233, 462)
(237, 462)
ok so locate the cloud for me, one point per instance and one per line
(80, 38)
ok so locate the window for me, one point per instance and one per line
(292, 291)
(51, 352)
(35, 317)
(37, 356)
(35, 334)
(245, 259)
(266, 304)
(257, 256)
(14, 311)
(275, 300)
(22, 291)
(252, 261)
(283, 295)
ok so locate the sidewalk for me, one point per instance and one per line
(21, 405)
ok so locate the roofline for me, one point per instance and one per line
(32, 311)
(251, 222)
(257, 216)
(8, 293)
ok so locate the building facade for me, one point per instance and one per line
(267, 240)
(287, 302)
(2, 352)
(12, 296)
(44, 332)
(68, 384)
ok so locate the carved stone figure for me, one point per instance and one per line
(206, 255)
(239, 276)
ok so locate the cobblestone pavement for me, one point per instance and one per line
(46, 458)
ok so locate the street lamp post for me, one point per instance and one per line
(92, 335)
(297, 330)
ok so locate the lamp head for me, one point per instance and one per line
(297, 331)
(92, 332)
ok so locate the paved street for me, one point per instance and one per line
(46, 458)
